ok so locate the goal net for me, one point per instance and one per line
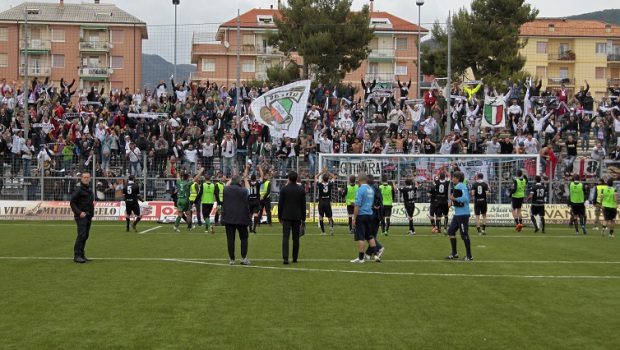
(499, 172)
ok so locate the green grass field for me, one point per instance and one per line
(164, 290)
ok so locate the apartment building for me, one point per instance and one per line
(93, 43)
(569, 52)
(393, 56)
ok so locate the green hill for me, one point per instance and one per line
(611, 16)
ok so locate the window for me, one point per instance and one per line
(374, 44)
(117, 36)
(264, 20)
(541, 71)
(599, 73)
(402, 44)
(249, 66)
(58, 61)
(4, 34)
(4, 59)
(380, 23)
(601, 48)
(58, 35)
(208, 65)
(373, 68)
(563, 48)
(541, 47)
(117, 62)
(400, 69)
(248, 40)
(564, 72)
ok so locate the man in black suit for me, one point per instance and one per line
(236, 217)
(291, 214)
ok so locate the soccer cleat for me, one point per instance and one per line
(576, 233)
(232, 262)
(386, 233)
(127, 230)
(357, 261)
(133, 226)
(380, 252)
(612, 236)
(377, 258)
(468, 258)
(595, 228)
(331, 231)
(245, 261)
(412, 233)
(176, 229)
(519, 227)
(366, 257)
(322, 233)
(484, 233)
(452, 256)
(583, 228)
(79, 260)
(536, 230)
(190, 228)
(434, 230)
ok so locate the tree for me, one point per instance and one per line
(283, 74)
(484, 40)
(331, 38)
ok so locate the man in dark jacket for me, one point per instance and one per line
(291, 214)
(83, 206)
(236, 217)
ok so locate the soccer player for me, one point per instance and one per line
(538, 198)
(517, 194)
(183, 204)
(325, 186)
(265, 194)
(409, 192)
(254, 198)
(349, 197)
(577, 203)
(480, 192)
(219, 198)
(131, 195)
(208, 200)
(362, 215)
(610, 203)
(460, 219)
(387, 191)
(442, 191)
(600, 187)
(377, 212)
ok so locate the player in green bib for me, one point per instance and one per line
(388, 192)
(349, 198)
(183, 204)
(219, 197)
(609, 201)
(518, 194)
(208, 200)
(577, 203)
(598, 193)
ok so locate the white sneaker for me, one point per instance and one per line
(412, 233)
(595, 228)
(377, 258)
(245, 261)
(322, 233)
(357, 261)
(232, 262)
(366, 257)
(380, 252)
(176, 229)
(191, 228)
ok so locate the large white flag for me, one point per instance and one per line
(283, 109)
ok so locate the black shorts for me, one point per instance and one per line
(517, 203)
(409, 209)
(325, 209)
(441, 209)
(350, 209)
(387, 211)
(254, 206)
(363, 228)
(578, 209)
(132, 208)
(537, 210)
(480, 207)
(609, 214)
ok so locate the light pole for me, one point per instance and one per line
(419, 77)
(175, 3)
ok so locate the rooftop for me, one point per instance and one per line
(560, 27)
(76, 13)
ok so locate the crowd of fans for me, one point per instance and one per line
(187, 126)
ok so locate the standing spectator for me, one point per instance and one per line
(571, 151)
(83, 207)
(236, 217)
(134, 155)
(207, 156)
(228, 154)
(598, 154)
(292, 214)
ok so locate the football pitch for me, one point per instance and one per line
(163, 290)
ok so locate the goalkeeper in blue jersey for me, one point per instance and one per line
(460, 219)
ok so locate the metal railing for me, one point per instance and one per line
(613, 57)
(36, 44)
(555, 81)
(563, 56)
(95, 46)
(95, 72)
(382, 53)
(36, 71)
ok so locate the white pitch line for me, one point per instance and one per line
(149, 230)
(420, 274)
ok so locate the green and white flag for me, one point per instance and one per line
(283, 109)
(494, 112)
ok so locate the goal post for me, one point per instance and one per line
(499, 171)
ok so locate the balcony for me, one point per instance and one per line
(559, 81)
(36, 71)
(95, 72)
(563, 56)
(95, 46)
(613, 57)
(382, 55)
(36, 45)
(613, 81)
(381, 78)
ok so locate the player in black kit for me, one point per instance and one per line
(442, 192)
(409, 193)
(480, 192)
(131, 195)
(325, 186)
(538, 198)
(254, 198)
